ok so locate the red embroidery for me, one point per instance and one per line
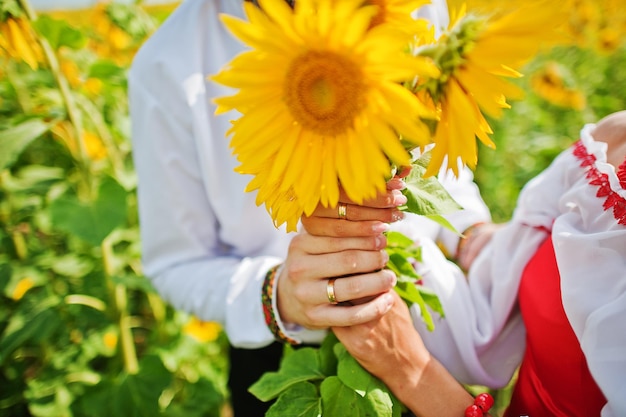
(621, 174)
(612, 199)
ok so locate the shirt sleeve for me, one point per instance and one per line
(437, 13)
(481, 339)
(590, 248)
(196, 221)
(465, 192)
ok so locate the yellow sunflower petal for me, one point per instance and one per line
(326, 116)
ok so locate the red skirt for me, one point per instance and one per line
(554, 379)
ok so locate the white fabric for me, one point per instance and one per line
(482, 338)
(206, 245)
(437, 13)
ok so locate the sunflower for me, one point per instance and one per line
(398, 13)
(321, 103)
(476, 56)
(553, 84)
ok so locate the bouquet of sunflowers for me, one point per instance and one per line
(343, 94)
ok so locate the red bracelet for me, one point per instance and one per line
(482, 404)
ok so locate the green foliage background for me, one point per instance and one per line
(534, 131)
(82, 333)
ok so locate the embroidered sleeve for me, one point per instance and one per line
(612, 200)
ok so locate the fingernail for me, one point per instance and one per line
(398, 198)
(394, 279)
(397, 215)
(380, 227)
(385, 256)
(388, 300)
(396, 184)
(381, 241)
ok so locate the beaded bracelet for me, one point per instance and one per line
(482, 404)
(267, 294)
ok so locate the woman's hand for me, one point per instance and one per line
(349, 246)
(388, 347)
(351, 219)
(391, 349)
(474, 242)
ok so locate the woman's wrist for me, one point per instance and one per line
(434, 392)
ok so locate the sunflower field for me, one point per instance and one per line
(82, 332)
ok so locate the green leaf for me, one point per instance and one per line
(132, 18)
(71, 265)
(300, 365)
(401, 266)
(91, 222)
(9, 8)
(128, 395)
(36, 325)
(40, 401)
(339, 400)
(15, 139)
(5, 275)
(299, 400)
(374, 392)
(398, 240)
(326, 353)
(108, 71)
(133, 282)
(59, 33)
(426, 196)
(432, 300)
(351, 373)
(411, 294)
(200, 399)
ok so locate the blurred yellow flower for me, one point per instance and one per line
(93, 86)
(548, 83)
(587, 20)
(202, 331)
(19, 41)
(64, 131)
(321, 103)
(110, 339)
(71, 72)
(110, 41)
(94, 146)
(475, 56)
(609, 39)
(22, 286)
(397, 13)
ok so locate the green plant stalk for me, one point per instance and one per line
(17, 237)
(23, 99)
(129, 353)
(64, 88)
(120, 297)
(20, 244)
(115, 157)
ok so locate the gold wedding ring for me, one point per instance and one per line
(330, 291)
(342, 209)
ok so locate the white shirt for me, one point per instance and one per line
(482, 338)
(206, 245)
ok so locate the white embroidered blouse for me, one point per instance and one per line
(581, 200)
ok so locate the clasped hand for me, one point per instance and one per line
(346, 243)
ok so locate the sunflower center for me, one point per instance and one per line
(324, 92)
